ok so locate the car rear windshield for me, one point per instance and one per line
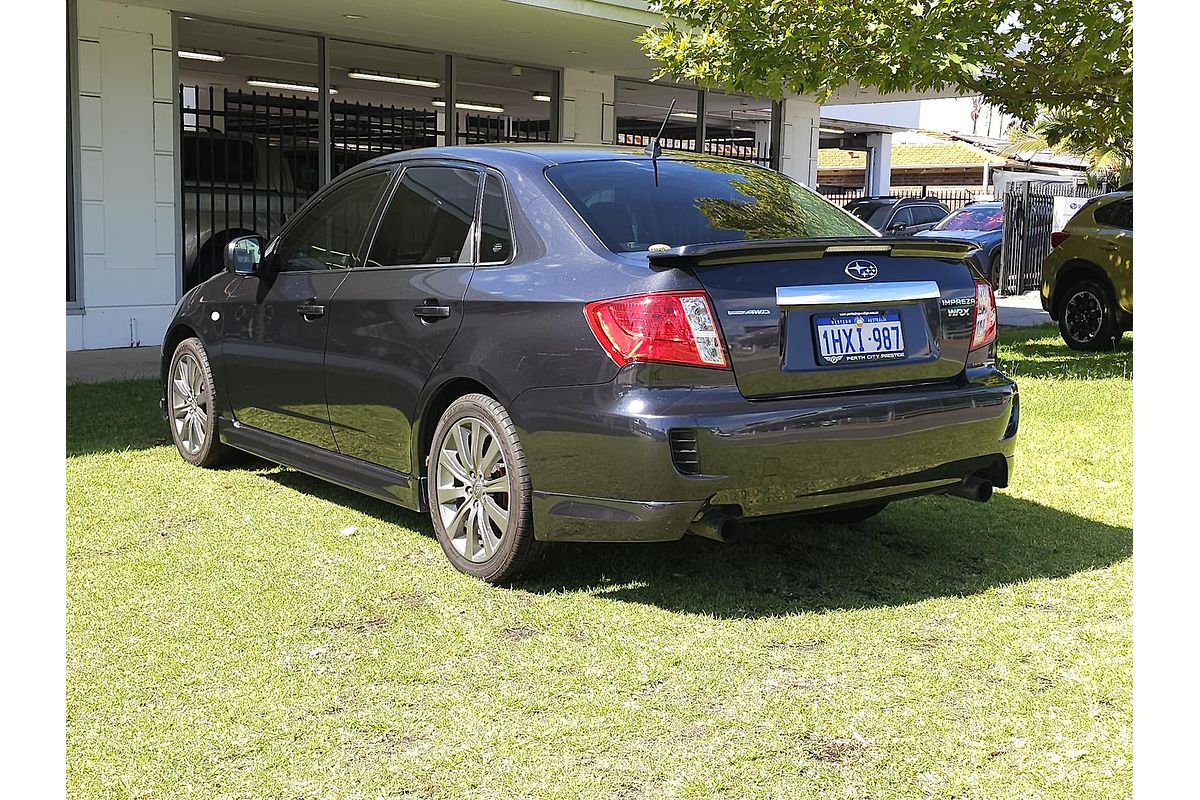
(984, 218)
(695, 202)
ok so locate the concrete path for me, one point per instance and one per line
(117, 364)
(1021, 310)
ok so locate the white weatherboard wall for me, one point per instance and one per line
(128, 275)
(588, 107)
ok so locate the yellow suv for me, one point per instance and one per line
(1087, 279)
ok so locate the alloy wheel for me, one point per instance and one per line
(1084, 316)
(473, 488)
(189, 404)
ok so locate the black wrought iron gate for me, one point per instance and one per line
(1028, 222)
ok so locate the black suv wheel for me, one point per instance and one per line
(1087, 316)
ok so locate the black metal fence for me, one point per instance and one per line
(953, 199)
(249, 160)
(1028, 222)
(756, 153)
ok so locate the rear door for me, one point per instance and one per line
(393, 317)
(815, 317)
(1114, 242)
(276, 321)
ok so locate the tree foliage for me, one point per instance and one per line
(1071, 59)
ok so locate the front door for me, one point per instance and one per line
(393, 318)
(277, 320)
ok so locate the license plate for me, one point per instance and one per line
(860, 336)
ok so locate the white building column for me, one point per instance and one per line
(587, 113)
(128, 275)
(879, 164)
(800, 140)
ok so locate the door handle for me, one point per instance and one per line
(429, 310)
(310, 308)
(1108, 246)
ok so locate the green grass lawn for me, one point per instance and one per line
(226, 638)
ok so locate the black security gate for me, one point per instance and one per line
(1028, 222)
(249, 160)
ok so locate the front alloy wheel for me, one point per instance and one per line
(191, 405)
(479, 492)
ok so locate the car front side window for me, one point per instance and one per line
(328, 235)
(429, 219)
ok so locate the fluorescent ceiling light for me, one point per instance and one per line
(472, 107)
(541, 97)
(267, 83)
(196, 55)
(374, 76)
(832, 130)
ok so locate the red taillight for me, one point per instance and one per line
(984, 332)
(1058, 237)
(674, 327)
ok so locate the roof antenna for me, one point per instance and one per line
(653, 148)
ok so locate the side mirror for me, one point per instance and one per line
(899, 227)
(244, 254)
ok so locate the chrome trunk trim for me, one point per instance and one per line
(856, 293)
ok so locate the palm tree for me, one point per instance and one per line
(1053, 133)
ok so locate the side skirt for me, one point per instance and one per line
(352, 473)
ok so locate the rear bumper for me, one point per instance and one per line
(604, 469)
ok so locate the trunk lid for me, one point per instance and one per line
(827, 315)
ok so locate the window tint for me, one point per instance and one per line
(928, 213)
(495, 240)
(1116, 215)
(695, 202)
(904, 217)
(428, 220)
(327, 234)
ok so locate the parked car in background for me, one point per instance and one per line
(980, 222)
(571, 343)
(234, 186)
(898, 216)
(1087, 279)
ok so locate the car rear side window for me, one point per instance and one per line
(695, 202)
(328, 234)
(1116, 215)
(928, 213)
(428, 219)
(495, 237)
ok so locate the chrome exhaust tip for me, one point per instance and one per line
(718, 527)
(973, 488)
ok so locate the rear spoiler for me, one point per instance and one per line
(718, 253)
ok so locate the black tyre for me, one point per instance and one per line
(192, 406)
(846, 516)
(479, 492)
(1087, 316)
(994, 271)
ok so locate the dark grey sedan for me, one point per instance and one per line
(551, 343)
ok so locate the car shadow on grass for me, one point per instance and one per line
(915, 550)
(1040, 353)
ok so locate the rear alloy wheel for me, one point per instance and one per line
(1087, 320)
(479, 492)
(191, 405)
